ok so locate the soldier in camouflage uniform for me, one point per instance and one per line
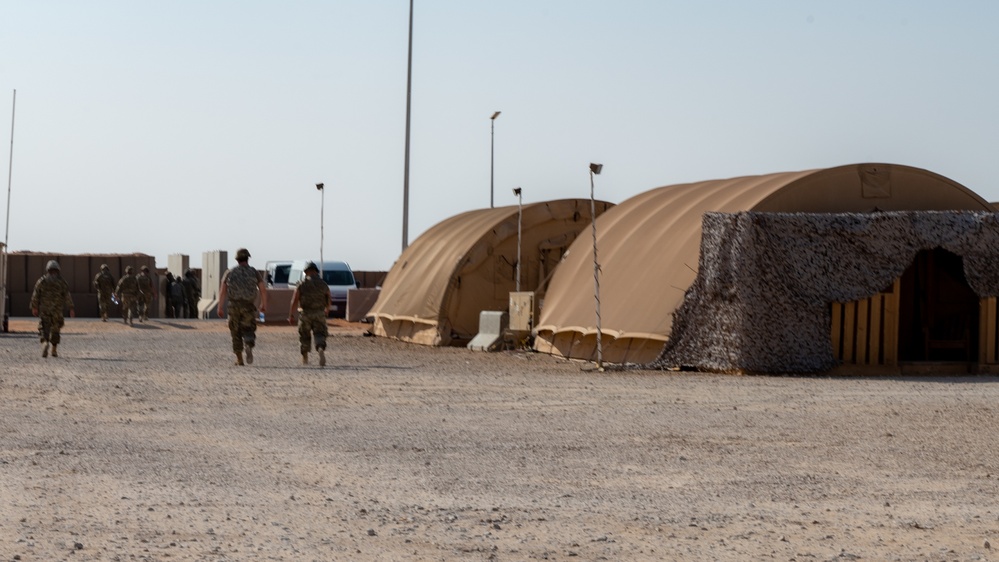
(192, 293)
(128, 294)
(314, 295)
(147, 292)
(104, 283)
(239, 289)
(50, 295)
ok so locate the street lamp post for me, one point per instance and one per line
(322, 216)
(409, 97)
(520, 216)
(594, 170)
(6, 234)
(492, 144)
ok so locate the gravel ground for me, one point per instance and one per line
(146, 443)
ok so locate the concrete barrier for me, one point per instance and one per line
(359, 302)
(492, 325)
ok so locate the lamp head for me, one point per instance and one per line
(516, 191)
(319, 186)
(596, 168)
(495, 115)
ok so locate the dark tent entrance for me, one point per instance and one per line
(938, 311)
(930, 315)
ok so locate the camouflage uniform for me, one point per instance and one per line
(146, 293)
(314, 299)
(104, 283)
(242, 287)
(50, 295)
(128, 293)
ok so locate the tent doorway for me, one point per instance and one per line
(938, 311)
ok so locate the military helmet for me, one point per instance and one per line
(242, 254)
(311, 266)
(144, 268)
(104, 267)
(129, 269)
(189, 272)
(52, 266)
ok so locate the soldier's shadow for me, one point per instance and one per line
(174, 325)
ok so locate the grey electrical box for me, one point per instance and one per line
(522, 311)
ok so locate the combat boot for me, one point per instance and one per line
(249, 355)
(322, 356)
(239, 359)
(104, 317)
(305, 358)
(45, 349)
(54, 352)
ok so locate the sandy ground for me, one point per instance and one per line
(146, 443)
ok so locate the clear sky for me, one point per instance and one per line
(185, 126)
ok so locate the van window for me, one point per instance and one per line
(281, 273)
(338, 277)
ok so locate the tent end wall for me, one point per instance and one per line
(408, 331)
(624, 350)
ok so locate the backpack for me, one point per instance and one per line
(241, 283)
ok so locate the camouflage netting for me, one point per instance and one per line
(760, 302)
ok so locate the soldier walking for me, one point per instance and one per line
(147, 292)
(314, 296)
(192, 293)
(128, 293)
(239, 289)
(50, 295)
(176, 298)
(104, 283)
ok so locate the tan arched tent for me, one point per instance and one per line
(466, 264)
(648, 248)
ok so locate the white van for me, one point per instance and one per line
(337, 275)
(277, 274)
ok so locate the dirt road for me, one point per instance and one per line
(146, 443)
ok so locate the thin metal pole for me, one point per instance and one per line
(10, 169)
(6, 235)
(492, 152)
(596, 273)
(409, 95)
(322, 234)
(520, 214)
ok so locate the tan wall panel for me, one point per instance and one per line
(81, 280)
(876, 353)
(988, 354)
(85, 305)
(20, 304)
(369, 279)
(837, 330)
(359, 303)
(278, 304)
(849, 323)
(35, 268)
(862, 334)
(17, 274)
(891, 324)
